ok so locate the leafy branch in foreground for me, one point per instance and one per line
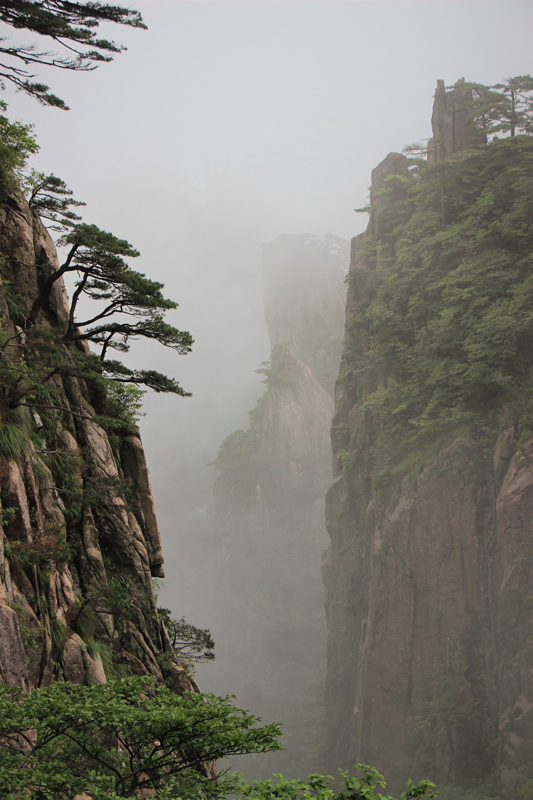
(364, 786)
(116, 739)
(129, 738)
(68, 24)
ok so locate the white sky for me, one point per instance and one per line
(227, 124)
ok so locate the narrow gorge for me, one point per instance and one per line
(395, 492)
(269, 506)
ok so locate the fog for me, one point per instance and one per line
(224, 126)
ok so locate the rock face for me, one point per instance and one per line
(76, 580)
(429, 582)
(269, 509)
(452, 123)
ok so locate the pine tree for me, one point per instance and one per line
(71, 25)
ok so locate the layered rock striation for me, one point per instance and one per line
(79, 544)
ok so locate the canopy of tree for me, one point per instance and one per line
(113, 740)
(506, 107)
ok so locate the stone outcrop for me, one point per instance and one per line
(429, 582)
(57, 559)
(452, 122)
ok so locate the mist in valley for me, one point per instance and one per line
(223, 127)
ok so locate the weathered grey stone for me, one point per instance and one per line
(48, 593)
(12, 656)
(73, 666)
(134, 466)
(452, 122)
(13, 492)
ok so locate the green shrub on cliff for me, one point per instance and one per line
(447, 320)
(16, 145)
(116, 739)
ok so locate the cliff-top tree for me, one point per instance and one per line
(96, 257)
(505, 107)
(68, 24)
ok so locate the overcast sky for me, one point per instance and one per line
(227, 124)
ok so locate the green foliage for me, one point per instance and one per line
(447, 323)
(447, 707)
(21, 553)
(114, 370)
(347, 457)
(191, 645)
(112, 740)
(7, 514)
(340, 435)
(50, 197)
(365, 786)
(277, 374)
(124, 402)
(506, 107)
(97, 257)
(113, 671)
(71, 25)
(16, 145)
(17, 304)
(86, 620)
(13, 435)
(59, 634)
(112, 598)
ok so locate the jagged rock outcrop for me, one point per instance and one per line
(269, 508)
(452, 123)
(76, 557)
(428, 579)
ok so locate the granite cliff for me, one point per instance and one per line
(269, 506)
(80, 543)
(428, 577)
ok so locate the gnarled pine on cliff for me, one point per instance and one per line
(80, 541)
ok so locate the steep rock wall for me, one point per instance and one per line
(58, 560)
(428, 578)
